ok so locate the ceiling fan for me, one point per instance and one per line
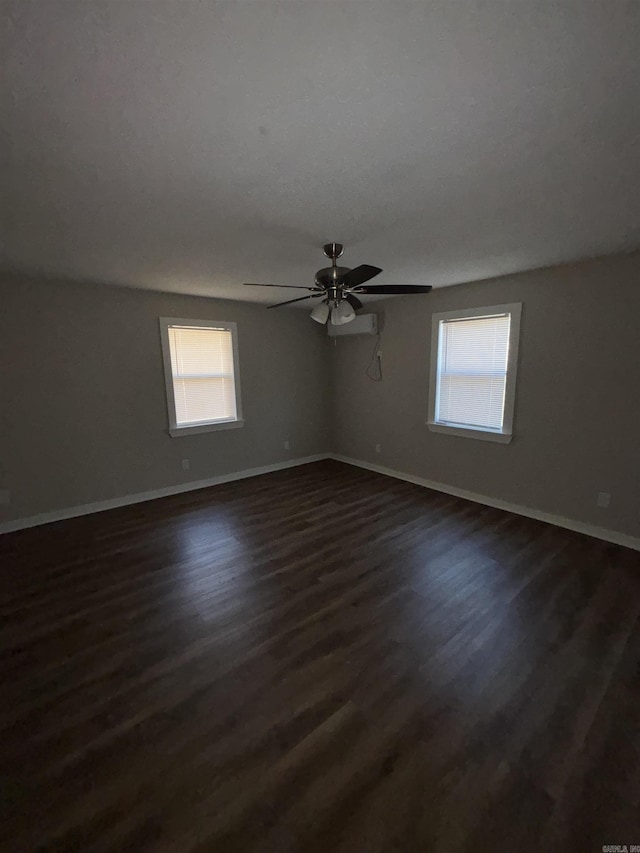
(340, 287)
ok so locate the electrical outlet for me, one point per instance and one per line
(378, 448)
(5, 497)
(603, 500)
(286, 445)
(185, 464)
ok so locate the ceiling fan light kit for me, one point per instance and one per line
(340, 287)
(321, 313)
(342, 313)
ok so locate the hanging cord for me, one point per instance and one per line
(374, 369)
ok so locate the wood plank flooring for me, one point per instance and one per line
(319, 659)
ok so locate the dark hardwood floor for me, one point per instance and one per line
(320, 659)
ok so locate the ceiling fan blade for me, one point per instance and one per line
(393, 289)
(299, 299)
(359, 275)
(291, 286)
(353, 301)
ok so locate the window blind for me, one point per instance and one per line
(202, 372)
(472, 371)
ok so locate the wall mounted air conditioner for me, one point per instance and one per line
(364, 324)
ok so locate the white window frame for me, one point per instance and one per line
(504, 435)
(176, 429)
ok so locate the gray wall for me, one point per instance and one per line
(83, 414)
(577, 415)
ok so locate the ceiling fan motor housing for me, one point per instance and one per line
(330, 276)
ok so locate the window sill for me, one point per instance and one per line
(176, 432)
(471, 432)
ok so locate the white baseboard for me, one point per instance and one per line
(126, 500)
(559, 521)
(140, 497)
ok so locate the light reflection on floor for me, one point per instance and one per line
(213, 580)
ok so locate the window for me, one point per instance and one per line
(474, 356)
(201, 374)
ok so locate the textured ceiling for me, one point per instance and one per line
(191, 146)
